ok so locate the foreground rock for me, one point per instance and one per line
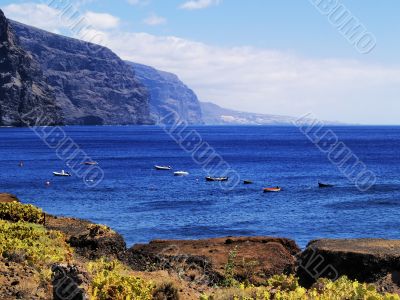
(366, 260)
(25, 97)
(89, 240)
(69, 282)
(8, 198)
(21, 281)
(204, 261)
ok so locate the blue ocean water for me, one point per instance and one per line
(143, 204)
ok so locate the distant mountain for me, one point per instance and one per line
(168, 94)
(79, 83)
(216, 115)
(92, 85)
(23, 88)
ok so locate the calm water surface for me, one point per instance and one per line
(143, 204)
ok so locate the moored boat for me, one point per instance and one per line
(272, 190)
(90, 163)
(217, 178)
(62, 174)
(163, 168)
(181, 173)
(324, 185)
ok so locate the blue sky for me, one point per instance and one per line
(268, 56)
(292, 25)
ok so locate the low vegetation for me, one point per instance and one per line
(111, 280)
(98, 228)
(24, 240)
(229, 280)
(32, 244)
(15, 212)
(287, 287)
(284, 287)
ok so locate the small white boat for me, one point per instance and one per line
(90, 163)
(181, 173)
(163, 168)
(62, 173)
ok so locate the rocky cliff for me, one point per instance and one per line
(92, 85)
(25, 97)
(168, 95)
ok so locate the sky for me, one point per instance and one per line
(336, 59)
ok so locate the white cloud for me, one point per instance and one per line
(51, 19)
(38, 15)
(154, 20)
(265, 81)
(138, 2)
(199, 4)
(256, 79)
(101, 20)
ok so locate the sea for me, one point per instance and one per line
(144, 204)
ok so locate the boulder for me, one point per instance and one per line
(69, 282)
(22, 281)
(89, 240)
(366, 260)
(8, 198)
(204, 261)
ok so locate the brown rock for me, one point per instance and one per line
(365, 260)
(89, 240)
(8, 198)
(389, 284)
(69, 282)
(17, 283)
(204, 261)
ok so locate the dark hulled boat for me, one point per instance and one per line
(324, 185)
(217, 178)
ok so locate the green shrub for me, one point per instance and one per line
(32, 244)
(287, 288)
(16, 212)
(98, 229)
(344, 288)
(283, 282)
(111, 280)
(229, 276)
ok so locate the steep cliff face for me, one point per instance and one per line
(169, 96)
(25, 97)
(93, 86)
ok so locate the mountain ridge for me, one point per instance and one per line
(88, 84)
(169, 96)
(92, 85)
(25, 97)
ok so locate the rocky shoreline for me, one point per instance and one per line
(197, 267)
